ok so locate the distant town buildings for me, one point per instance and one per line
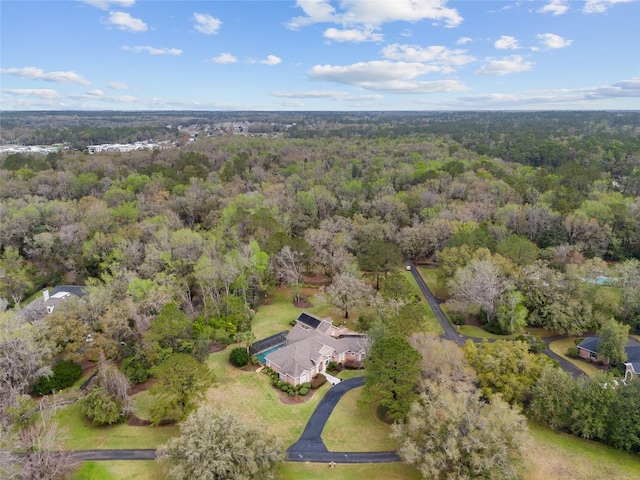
(128, 147)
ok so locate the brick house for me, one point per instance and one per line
(310, 346)
(588, 348)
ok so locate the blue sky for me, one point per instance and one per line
(319, 55)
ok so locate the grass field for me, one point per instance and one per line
(82, 435)
(350, 423)
(119, 470)
(251, 396)
(559, 456)
(321, 471)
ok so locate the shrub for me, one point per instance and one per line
(303, 391)
(536, 344)
(136, 368)
(333, 367)
(291, 393)
(100, 408)
(284, 387)
(457, 318)
(239, 357)
(307, 385)
(572, 352)
(318, 381)
(64, 375)
(352, 365)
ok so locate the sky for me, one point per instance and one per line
(308, 55)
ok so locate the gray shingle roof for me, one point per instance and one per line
(590, 343)
(305, 348)
(633, 356)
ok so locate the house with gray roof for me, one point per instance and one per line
(588, 348)
(310, 346)
(59, 294)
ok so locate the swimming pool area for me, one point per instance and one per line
(262, 355)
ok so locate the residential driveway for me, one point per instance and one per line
(311, 448)
(566, 365)
(449, 332)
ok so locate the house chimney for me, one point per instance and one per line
(46, 295)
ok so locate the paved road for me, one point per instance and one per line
(140, 454)
(311, 448)
(449, 332)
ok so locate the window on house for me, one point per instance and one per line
(594, 355)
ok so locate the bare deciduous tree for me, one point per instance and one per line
(347, 292)
(23, 356)
(480, 283)
(289, 266)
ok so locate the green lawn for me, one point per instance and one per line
(561, 346)
(251, 396)
(374, 471)
(350, 423)
(275, 317)
(559, 456)
(119, 470)
(82, 435)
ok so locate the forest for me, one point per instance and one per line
(520, 214)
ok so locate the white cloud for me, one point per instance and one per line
(435, 54)
(601, 6)
(271, 60)
(386, 76)
(96, 93)
(504, 66)
(153, 50)
(625, 88)
(224, 58)
(358, 12)
(370, 72)
(555, 7)
(569, 98)
(107, 4)
(124, 21)
(44, 93)
(317, 11)
(206, 23)
(419, 87)
(326, 94)
(117, 85)
(38, 74)
(353, 35)
(463, 41)
(551, 40)
(505, 42)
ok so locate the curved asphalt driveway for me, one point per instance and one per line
(311, 448)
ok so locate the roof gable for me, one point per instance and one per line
(590, 344)
(306, 346)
